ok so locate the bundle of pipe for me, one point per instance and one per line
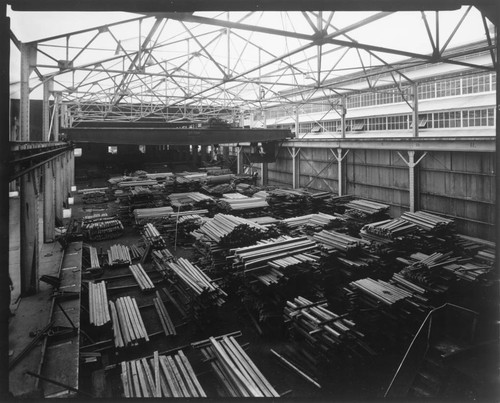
(336, 240)
(246, 203)
(119, 255)
(235, 369)
(363, 208)
(160, 376)
(153, 237)
(100, 226)
(161, 310)
(145, 215)
(188, 198)
(163, 255)
(91, 197)
(94, 258)
(136, 252)
(223, 224)
(131, 184)
(141, 277)
(128, 326)
(386, 293)
(427, 221)
(98, 304)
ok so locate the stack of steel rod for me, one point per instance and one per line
(143, 216)
(242, 204)
(311, 223)
(196, 281)
(153, 237)
(137, 183)
(364, 209)
(190, 200)
(222, 225)
(381, 291)
(166, 322)
(100, 226)
(160, 376)
(429, 222)
(128, 326)
(136, 252)
(234, 368)
(98, 304)
(289, 202)
(388, 230)
(94, 197)
(94, 258)
(141, 277)
(119, 255)
(162, 255)
(336, 240)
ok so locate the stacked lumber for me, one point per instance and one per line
(160, 376)
(94, 258)
(152, 237)
(336, 240)
(364, 209)
(151, 215)
(119, 255)
(387, 231)
(136, 252)
(429, 222)
(198, 283)
(323, 330)
(237, 372)
(141, 277)
(94, 197)
(98, 304)
(161, 310)
(98, 227)
(128, 326)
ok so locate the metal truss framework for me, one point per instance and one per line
(183, 68)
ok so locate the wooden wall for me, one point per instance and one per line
(456, 184)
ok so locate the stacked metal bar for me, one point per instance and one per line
(100, 226)
(151, 215)
(160, 376)
(381, 291)
(162, 255)
(286, 203)
(94, 258)
(234, 368)
(166, 322)
(364, 209)
(336, 240)
(119, 255)
(387, 231)
(191, 200)
(128, 326)
(94, 197)
(136, 252)
(98, 304)
(311, 223)
(141, 277)
(137, 183)
(429, 222)
(153, 237)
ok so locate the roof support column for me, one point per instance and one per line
(297, 124)
(343, 111)
(57, 118)
(295, 153)
(29, 233)
(415, 110)
(204, 153)
(413, 178)
(239, 160)
(340, 171)
(71, 156)
(49, 207)
(28, 53)
(58, 188)
(264, 174)
(194, 152)
(46, 110)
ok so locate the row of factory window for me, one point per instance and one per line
(435, 120)
(473, 84)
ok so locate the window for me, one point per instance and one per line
(476, 83)
(358, 125)
(478, 117)
(448, 88)
(399, 122)
(426, 90)
(378, 123)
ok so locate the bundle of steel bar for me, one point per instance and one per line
(119, 255)
(136, 252)
(289, 202)
(98, 304)
(160, 176)
(94, 258)
(360, 208)
(137, 183)
(163, 255)
(94, 197)
(183, 184)
(100, 226)
(128, 326)
(429, 222)
(382, 291)
(218, 179)
(244, 203)
(274, 250)
(196, 280)
(91, 190)
(233, 196)
(311, 223)
(221, 225)
(218, 190)
(237, 372)
(161, 310)
(336, 240)
(146, 215)
(153, 237)
(189, 199)
(160, 376)
(141, 277)
(387, 230)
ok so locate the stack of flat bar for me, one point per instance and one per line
(196, 280)
(190, 200)
(429, 222)
(223, 224)
(151, 215)
(153, 237)
(234, 368)
(128, 326)
(364, 209)
(160, 376)
(119, 255)
(388, 230)
(336, 240)
(137, 183)
(242, 204)
(141, 277)
(381, 291)
(136, 252)
(166, 322)
(305, 224)
(289, 202)
(98, 304)
(94, 258)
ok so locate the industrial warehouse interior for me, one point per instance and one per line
(229, 199)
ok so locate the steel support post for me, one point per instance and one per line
(66, 176)
(340, 171)
(29, 233)
(49, 210)
(71, 168)
(239, 160)
(295, 153)
(225, 153)
(264, 174)
(24, 102)
(203, 153)
(297, 122)
(412, 178)
(194, 154)
(57, 118)
(58, 188)
(415, 109)
(46, 111)
(343, 111)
